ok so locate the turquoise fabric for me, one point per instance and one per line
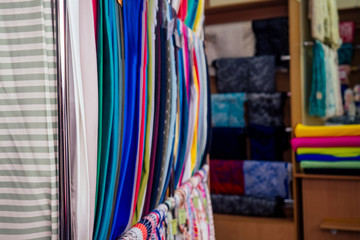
(317, 104)
(228, 109)
(110, 19)
(108, 115)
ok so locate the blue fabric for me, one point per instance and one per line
(184, 113)
(267, 179)
(267, 143)
(228, 109)
(322, 157)
(132, 40)
(317, 104)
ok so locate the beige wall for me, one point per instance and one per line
(342, 4)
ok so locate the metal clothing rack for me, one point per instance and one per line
(311, 43)
(170, 203)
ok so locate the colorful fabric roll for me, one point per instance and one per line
(322, 157)
(322, 142)
(228, 110)
(330, 164)
(327, 131)
(334, 151)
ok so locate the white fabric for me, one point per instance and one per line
(79, 189)
(90, 91)
(229, 40)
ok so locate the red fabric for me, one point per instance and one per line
(347, 31)
(227, 177)
(183, 10)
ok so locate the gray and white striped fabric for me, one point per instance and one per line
(28, 121)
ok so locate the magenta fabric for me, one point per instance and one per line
(347, 31)
(351, 141)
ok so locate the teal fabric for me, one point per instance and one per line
(100, 48)
(108, 116)
(317, 105)
(119, 32)
(110, 17)
(228, 109)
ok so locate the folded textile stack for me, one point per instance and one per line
(255, 186)
(328, 149)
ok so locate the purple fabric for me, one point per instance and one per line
(351, 141)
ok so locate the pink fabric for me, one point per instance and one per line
(347, 31)
(353, 141)
(94, 6)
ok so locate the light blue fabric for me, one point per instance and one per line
(267, 179)
(317, 105)
(228, 109)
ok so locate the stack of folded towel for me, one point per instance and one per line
(328, 149)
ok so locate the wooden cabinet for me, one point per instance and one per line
(253, 228)
(331, 209)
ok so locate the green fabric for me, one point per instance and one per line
(332, 164)
(335, 151)
(150, 115)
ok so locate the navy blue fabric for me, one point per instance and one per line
(184, 115)
(228, 143)
(159, 149)
(267, 143)
(322, 157)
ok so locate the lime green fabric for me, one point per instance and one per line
(332, 164)
(334, 151)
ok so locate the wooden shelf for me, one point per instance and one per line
(246, 11)
(327, 177)
(341, 224)
(238, 218)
